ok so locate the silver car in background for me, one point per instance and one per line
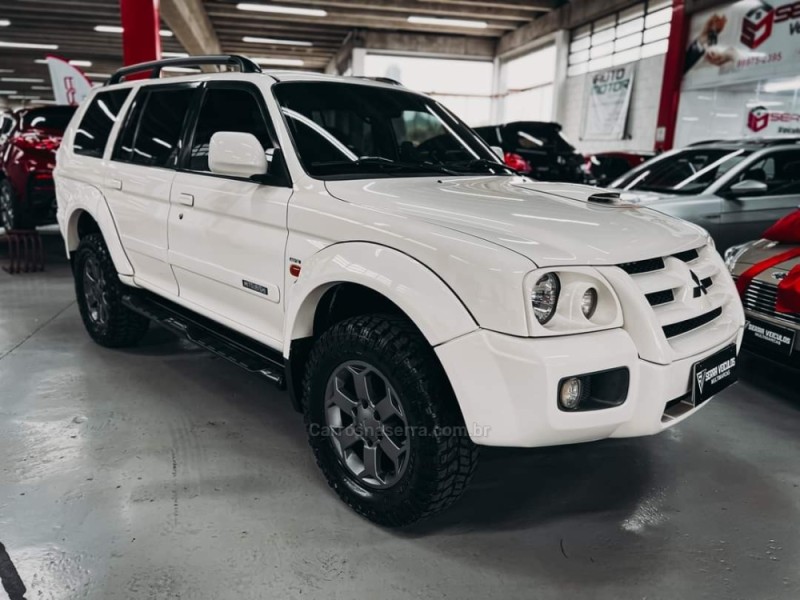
(734, 189)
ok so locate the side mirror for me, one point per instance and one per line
(236, 154)
(498, 151)
(749, 187)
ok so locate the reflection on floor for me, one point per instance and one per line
(162, 472)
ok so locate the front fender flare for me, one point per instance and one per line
(427, 300)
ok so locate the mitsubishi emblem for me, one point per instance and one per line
(701, 288)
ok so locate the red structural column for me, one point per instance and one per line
(673, 75)
(141, 40)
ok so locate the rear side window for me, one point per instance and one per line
(152, 133)
(95, 127)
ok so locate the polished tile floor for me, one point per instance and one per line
(162, 472)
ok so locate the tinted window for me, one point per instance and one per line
(157, 141)
(124, 146)
(780, 171)
(226, 110)
(349, 130)
(95, 127)
(54, 118)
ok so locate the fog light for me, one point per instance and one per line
(589, 303)
(570, 394)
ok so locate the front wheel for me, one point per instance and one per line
(99, 292)
(383, 421)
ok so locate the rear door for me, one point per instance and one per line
(746, 217)
(227, 235)
(139, 179)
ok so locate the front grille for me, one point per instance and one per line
(643, 266)
(688, 325)
(687, 256)
(760, 298)
(658, 298)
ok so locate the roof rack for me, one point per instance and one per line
(155, 67)
(387, 80)
(756, 141)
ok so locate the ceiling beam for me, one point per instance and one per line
(189, 21)
(432, 44)
(428, 9)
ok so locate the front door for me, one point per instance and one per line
(227, 235)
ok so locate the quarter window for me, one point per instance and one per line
(95, 126)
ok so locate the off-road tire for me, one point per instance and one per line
(123, 327)
(441, 456)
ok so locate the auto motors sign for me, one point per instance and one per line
(743, 41)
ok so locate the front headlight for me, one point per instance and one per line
(544, 297)
(569, 300)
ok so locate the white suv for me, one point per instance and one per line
(357, 243)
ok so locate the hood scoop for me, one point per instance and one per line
(614, 199)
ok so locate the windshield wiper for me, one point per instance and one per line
(485, 162)
(383, 163)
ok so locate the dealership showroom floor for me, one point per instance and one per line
(163, 472)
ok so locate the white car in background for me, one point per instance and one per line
(357, 243)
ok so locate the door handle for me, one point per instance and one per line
(186, 199)
(115, 184)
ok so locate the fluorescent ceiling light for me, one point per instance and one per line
(447, 22)
(44, 88)
(283, 10)
(7, 92)
(118, 29)
(755, 103)
(6, 70)
(22, 79)
(29, 46)
(41, 61)
(4, 22)
(773, 87)
(174, 55)
(108, 28)
(98, 75)
(276, 42)
(81, 63)
(23, 97)
(280, 62)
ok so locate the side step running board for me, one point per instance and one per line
(222, 341)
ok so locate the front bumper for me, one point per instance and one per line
(507, 386)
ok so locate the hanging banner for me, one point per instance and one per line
(609, 98)
(743, 41)
(70, 86)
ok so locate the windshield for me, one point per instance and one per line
(686, 172)
(343, 130)
(56, 118)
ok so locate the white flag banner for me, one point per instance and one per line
(70, 86)
(607, 104)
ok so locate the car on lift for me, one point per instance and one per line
(357, 243)
(604, 167)
(27, 157)
(734, 189)
(538, 149)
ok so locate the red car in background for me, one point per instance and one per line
(27, 157)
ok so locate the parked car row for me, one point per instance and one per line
(29, 139)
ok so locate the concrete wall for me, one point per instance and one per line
(643, 112)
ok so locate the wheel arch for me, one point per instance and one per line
(95, 217)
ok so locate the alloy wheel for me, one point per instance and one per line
(367, 423)
(95, 291)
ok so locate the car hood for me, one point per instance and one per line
(550, 223)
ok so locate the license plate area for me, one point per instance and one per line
(772, 338)
(713, 374)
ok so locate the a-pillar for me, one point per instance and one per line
(141, 39)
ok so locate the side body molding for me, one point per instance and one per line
(421, 294)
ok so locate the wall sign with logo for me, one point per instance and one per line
(607, 103)
(743, 41)
(763, 121)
